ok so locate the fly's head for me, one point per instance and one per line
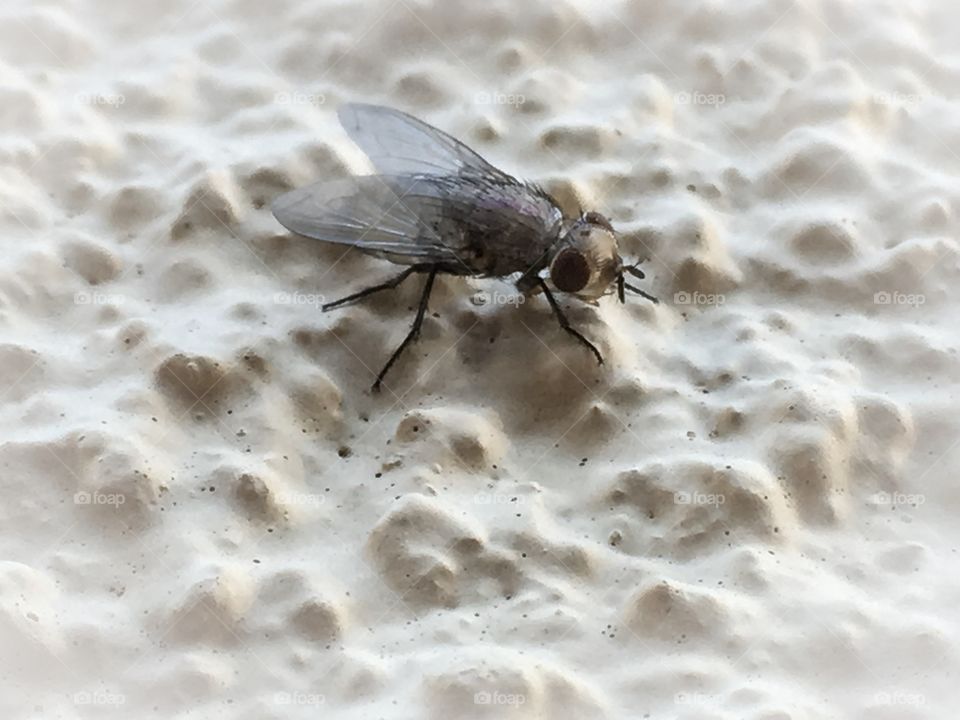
(587, 262)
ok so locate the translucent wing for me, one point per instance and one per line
(398, 144)
(468, 225)
(372, 212)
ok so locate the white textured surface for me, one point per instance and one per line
(290, 546)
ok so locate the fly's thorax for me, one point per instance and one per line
(586, 260)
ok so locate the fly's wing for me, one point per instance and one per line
(469, 225)
(374, 213)
(399, 144)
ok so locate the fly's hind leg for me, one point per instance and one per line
(414, 330)
(389, 284)
(564, 323)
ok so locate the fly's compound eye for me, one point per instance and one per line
(570, 271)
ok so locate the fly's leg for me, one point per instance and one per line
(641, 293)
(564, 323)
(414, 330)
(392, 283)
(529, 282)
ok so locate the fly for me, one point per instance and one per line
(436, 206)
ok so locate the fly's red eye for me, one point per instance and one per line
(570, 271)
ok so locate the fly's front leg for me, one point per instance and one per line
(529, 284)
(565, 324)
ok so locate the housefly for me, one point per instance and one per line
(436, 206)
